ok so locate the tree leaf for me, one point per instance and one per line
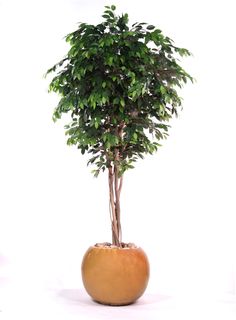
(150, 27)
(122, 101)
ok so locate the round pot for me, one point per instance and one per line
(115, 276)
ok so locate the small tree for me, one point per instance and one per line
(119, 85)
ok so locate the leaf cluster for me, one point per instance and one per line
(118, 83)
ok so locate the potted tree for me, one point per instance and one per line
(118, 83)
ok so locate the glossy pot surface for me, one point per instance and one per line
(115, 276)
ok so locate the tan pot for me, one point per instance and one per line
(115, 276)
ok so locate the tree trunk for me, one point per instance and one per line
(115, 185)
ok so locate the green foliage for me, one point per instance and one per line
(119, 85)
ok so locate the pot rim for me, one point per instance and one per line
(109, 246)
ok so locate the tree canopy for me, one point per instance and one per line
(119, 83)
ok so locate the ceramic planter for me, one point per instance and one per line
(115, 276)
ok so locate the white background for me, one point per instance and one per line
(179, 204)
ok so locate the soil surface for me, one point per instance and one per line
(110, 245)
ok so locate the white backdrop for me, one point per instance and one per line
(179, 205)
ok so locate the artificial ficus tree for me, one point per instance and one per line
(118, 82)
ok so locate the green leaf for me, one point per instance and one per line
(113, 7)
(183, 52)
(150, 27)
(110, 61)
(110, 13)
(107, 145)
(135, 136)
(162, 90)
(122, 101)
(96, 173)
(116, 101)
